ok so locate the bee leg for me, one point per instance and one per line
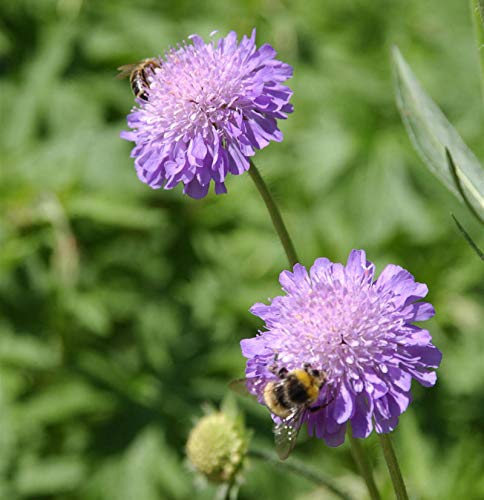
(273, 368)
(279, 372)
(312, 409)
(312, 371)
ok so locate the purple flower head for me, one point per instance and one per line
(209, 107)
(359, 331)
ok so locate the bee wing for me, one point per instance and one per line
(285, 434)
(240, 387)
(126, 70)
(243, 387)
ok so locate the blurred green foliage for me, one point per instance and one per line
(121, 308)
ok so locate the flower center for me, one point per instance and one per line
(192, 93)
(337, 328)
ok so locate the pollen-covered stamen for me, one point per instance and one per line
(211, 89)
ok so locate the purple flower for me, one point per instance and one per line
(357, 330)
(208, 108)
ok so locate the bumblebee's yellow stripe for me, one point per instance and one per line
(309, 384)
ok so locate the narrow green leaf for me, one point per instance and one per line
(455, 176)
(64, 400)
(468, 238)
(52, 56)
(431, 133)
(477, 11)
(50, 476)
(115, 212)
(27, 352)
(478, 7)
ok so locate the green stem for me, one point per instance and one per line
(227, 491)
(275, 214)
(477, 11)
(364, 467)
(298, 468)
(393, 467)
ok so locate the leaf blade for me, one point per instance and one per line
(431, 134)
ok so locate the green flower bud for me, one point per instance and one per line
(217, 446)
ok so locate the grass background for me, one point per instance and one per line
(121, 308)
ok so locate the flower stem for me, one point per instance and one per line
(393, 467)
(301, 470)
(364, 467)
(275, 214)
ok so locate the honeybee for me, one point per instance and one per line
(138, 75)
(289, 398)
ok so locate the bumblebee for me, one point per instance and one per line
(295, 389)
(138, 75)
(289, 398)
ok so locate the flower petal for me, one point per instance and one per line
(344, 405)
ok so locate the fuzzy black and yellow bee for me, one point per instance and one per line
(289, 398)
(138, 75)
